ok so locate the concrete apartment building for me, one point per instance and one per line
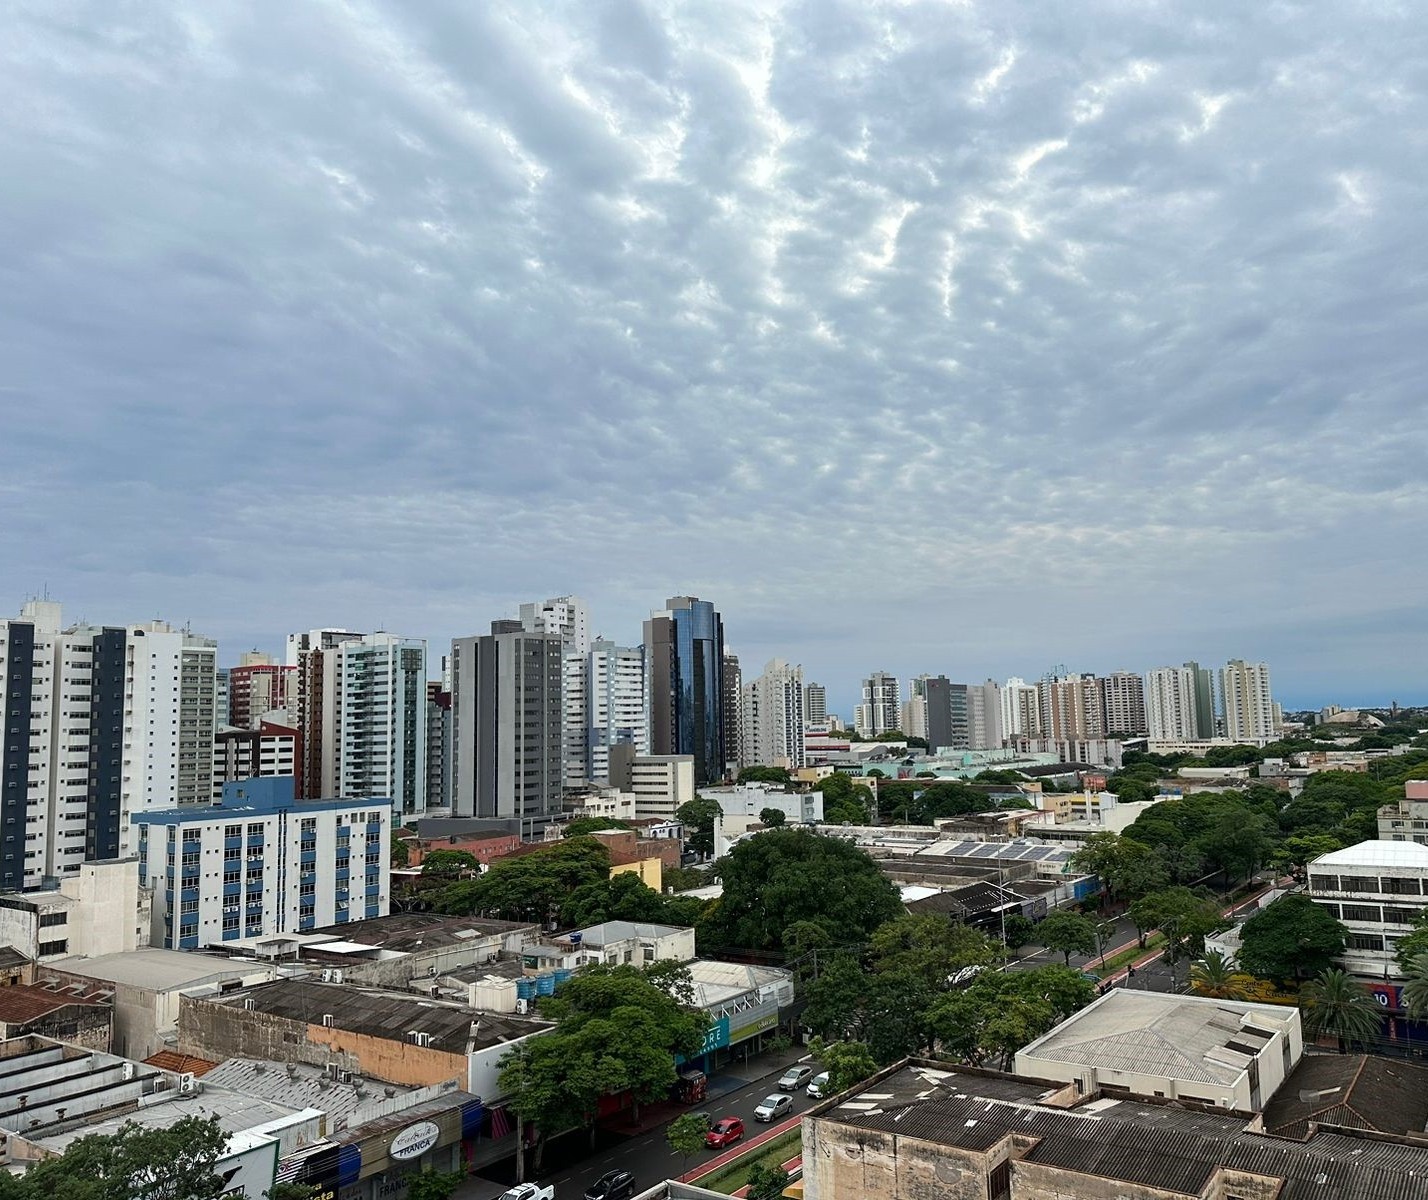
(1123, 695)
(815, 704)
(1180, 703)
(1407, 820)
(772, 727)
(881, 707)
(568, 618)
(615, 703)
(269, 747)
(105, 722)
(507, 715)
(259, 684)
(733, 691)
(263, 862)
(100, 909)
(1247, 702)
(1378, 889)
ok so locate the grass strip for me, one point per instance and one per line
(729, 1178)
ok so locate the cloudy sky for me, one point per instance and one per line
(967, 337)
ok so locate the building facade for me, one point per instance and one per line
(660, 783)
(568, 618)
(268, 748)
(438, 745)
(815, 704)
(734, 733)
(773, 717)
(615, 691)
(259, 687)
(1246, 702)
(1172, 704)
(881, 708)
(1378, 889)
(263, 862)
(1123, 695)
(685, 685)
(507, 721)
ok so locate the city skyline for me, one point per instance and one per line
(961, 340)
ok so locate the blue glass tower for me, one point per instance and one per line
(684, 685)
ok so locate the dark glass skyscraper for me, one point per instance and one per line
(684, 685)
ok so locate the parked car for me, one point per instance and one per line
(724, 1132)
(777, 1105)
(613, 1185)
(818, 1085)
(794, 1077)
(530, 1191)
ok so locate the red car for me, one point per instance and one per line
(724, 1133)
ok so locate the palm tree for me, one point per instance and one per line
(1337, 1004)
(1217, 977)
(1415, 991)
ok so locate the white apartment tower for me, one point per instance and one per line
(1020, 712)
(881, 709)
(985, 714)
(1172, 704)
(614, 691)
(101, 724)
(569, 619)
(773, 717)
(1123, 694)
(1246, 701)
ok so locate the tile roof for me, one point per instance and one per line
(23, 1002)
(1355, 1091)
(180, 1064)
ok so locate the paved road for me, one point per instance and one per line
(572, 1168)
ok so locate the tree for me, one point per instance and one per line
(401, 853)
(1183, 916)
(1289, 939)
(766, 1182)
(685, 1136)
(449, 864)
(1001, 1011)
(1415, 990)
(1412, 944)
(789, 875)
(847, 1063)
(777, 775)
(582, 826)
(772, 818)
(845, 802)
(1238, 844)
(1297, 851)
(529, 886)
(699, 816)
(1336, 1004)
(1068, 932)
(932, 947)
(617, 1030)
(175, 1163)
(291, 1191)
(1218, 978)
(625, 897)
(1017, 930)
(434, 1185)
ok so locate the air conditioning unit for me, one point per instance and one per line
(249, 1003)
(327, 1020)
(188, 1083)
(431, 970)
(128, 1070)
(344, 1076)
(522, 1005)
(336, 976)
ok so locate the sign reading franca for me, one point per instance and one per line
(415, 1140)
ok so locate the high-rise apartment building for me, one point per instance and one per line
(1246, 702)
(259, 685)
(913, 718)
(1206, 723)
(1071, 707)
(268, 748)
(287, 865)
(101, 723)
(684, 685)
(507, 715)
(568, 618)
(984, 715)
(1123, 695)
(615, 691)
(881, 709)
(362, 713)
(1021, 711)
(815, 704)
(773, 717)
(1172, 704)
(734, 734)
(438, 745)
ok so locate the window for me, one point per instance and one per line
(50, 919)
(48, 948)
(1401, 887)
(1358, 883)
(1361, 912)
(1394, 914)
(232, 831)
(1365, 941)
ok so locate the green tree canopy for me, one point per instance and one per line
(1338, 1006)
(586, 825)
(789, 875)
(772, 817)
(844, 801)
(1185, 917)
(530, 886)
(401, 853)
(777, 775)
(449, 864)
(685, 1136)
(847, 1064)
(176, 1163)
(699, 816)
(1068, 933)
(626, 897)
(1290, 939)
(1001, 1011)
(932, 947)
(1407, 948)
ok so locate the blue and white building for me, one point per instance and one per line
(260, 862)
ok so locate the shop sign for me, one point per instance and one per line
(415, 1140)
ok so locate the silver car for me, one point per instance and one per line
(772, 1107)
(793, 1078)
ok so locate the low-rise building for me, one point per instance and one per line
(750, 799)
(743, 1003)
(1406, 820)
(485, 848)
(1225, 1053)
(1352, 1091)
(77, 1014)
(261, 861)
(955, 1133)
(1377, 889)
(613, 943)
(99, 909)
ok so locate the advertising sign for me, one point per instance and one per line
(415, 1140)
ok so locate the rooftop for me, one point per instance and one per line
(157, 970)
(1376, 854)
(300, 1086)
(407, 932)
(716, 982)
(29, 1002)
(1161, 1146)
(452, 1027)
(620, 931)
(1173, 1037)
(1354, 1091)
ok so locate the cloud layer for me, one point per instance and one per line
(965, 338)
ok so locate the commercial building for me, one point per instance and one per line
(743, 1003)
(80, 1016)
(1223, 1053)
(928, 1129)
(1246, 702)
(1378, 890)
(568, 618)
(881, 708)
(612, 943)
(507, 722)
(263, 862)
(660, 783)
(773, 723)
(615, 691)
(685, 686)
(750, 799)
(103, 722)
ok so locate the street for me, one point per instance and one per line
(569, 1165)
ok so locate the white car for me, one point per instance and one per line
(777, 1105)
(817, 1085)
(530, 1191)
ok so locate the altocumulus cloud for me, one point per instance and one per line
(956, 337)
